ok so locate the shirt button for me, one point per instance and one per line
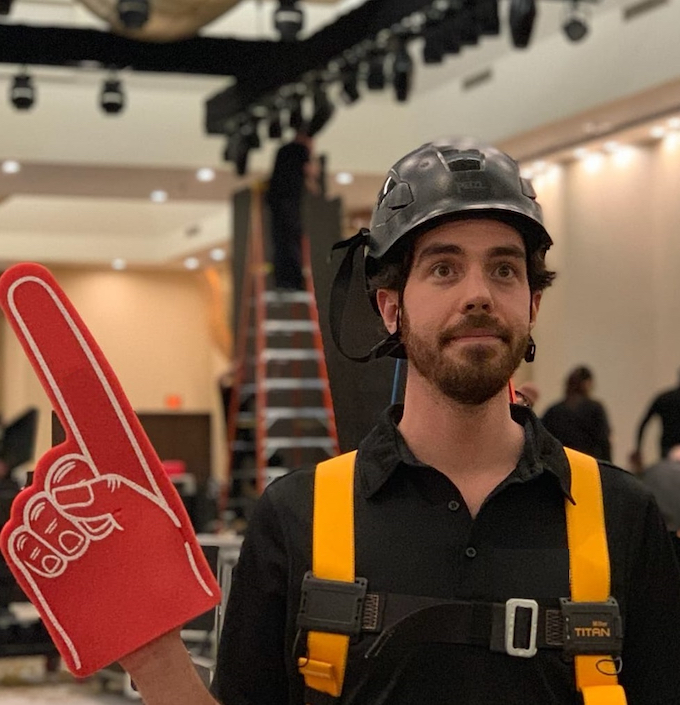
(470, 552)
(454, 506)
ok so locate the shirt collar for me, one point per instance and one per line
(384, 450)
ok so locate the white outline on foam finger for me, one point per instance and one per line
(94, 364)
(56, 624)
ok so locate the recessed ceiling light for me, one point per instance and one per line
(11, 167)
(657, 131)
(674, 123)
(159, 196)
(611, 146)
(205, 174)
(218, 254)
(344, 178)
(596, 128)
(191, 263)
(119, 263)
(580, 153)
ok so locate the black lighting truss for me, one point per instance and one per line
(264, 71)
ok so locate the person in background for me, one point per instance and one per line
(667, 407)
(663, 479)
(578, 421)
(295, 170)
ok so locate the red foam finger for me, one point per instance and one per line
(101, 541)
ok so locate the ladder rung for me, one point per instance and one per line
(285, 326)
(284, 383)
(286, 297)
(273, 443)
(276, 442)
(270, 354)
(274, 413)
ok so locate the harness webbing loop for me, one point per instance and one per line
(332, 559)
(590, 572)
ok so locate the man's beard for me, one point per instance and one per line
(479, 372)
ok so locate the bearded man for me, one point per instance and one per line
(485, 564)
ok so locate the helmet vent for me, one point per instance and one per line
(389, 184)
(467, 160)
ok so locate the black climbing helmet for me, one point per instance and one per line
(454, 177)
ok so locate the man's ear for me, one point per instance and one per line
(533, 311)
(388, 305)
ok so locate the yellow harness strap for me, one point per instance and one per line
(589, 572)
(332, 559)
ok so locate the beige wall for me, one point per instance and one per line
(616, 303)
(154, 330)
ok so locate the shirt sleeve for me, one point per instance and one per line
(250, 667)
(651, 657)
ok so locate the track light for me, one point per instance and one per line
(133, 14)
(22, 92)
(575, 26)
(323, 110)
(375, 78)
(522, 16)
(402, 72)
(288, 20)
(350, 87)
(112, 98)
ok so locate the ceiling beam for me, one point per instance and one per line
(66, 46)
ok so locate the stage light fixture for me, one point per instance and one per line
(440, 40)
(575, 26)
(486, 17)
(288, 20)
(133, 14)
(296, 118)
(112, 97)
(274, 126)
(402, 72)
(350, 84)
(522, 17)
(323, 110)
(375, 77)
(22, 92)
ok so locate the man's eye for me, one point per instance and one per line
(442, 270)
(505, 271)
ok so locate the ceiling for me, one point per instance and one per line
(82, 195)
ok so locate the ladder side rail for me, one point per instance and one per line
(241, 352)
(261, 460)
(318, 343)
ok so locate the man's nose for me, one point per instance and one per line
(476, 292)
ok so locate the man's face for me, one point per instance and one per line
(467, 309)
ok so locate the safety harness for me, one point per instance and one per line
(336, 606)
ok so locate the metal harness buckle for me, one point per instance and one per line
(511, 607)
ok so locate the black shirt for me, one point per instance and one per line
(582, 425)
(288, 177)
(667, 406)
(414, 535)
